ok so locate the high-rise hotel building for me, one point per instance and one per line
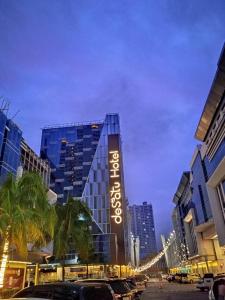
(142, 226)
(86, 163)
(10, 140)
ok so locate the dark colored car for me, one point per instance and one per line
(119, 286)
(170, 278)
(67, 291)
(180, 277)
(133, 286)
(141, 281)
(215, 289)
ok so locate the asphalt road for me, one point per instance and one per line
(173, 291)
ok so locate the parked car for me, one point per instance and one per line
(164, 276)
(133, 286)
(187, 278)
(141, 281)
(219, 284)
(190, 278)
(119, 286)
(219, 275)
(205, 282)
(170, 278)
(179, 277)
(67, 291)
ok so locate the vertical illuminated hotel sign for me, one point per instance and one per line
(116, 194)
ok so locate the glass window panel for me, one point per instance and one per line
(95, 202)
(99, 216)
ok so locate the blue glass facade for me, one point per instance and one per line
(102, 247)
(200, 196)
(142, 225)
(10, 139)
(212, 164)
(70, 151)
(211, 132)
(79, 160)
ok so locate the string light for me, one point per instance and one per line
(153, 261)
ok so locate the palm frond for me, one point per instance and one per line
(25, 208)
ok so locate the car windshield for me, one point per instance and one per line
(220, 277)
(140, 277)
(209, 275)
(61, 292)
(27, 292)
(131, 284)
(35, 292)
(119, 287)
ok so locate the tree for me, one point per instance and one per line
(72, 230)
(26, 217)
(86, 250)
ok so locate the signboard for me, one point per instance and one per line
(14, 278)
(116, 194)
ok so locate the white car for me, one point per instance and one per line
(219, 284)
(164, 276)
(206, 282)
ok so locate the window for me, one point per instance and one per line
(42, 292)
(36, 292)
(202, 203)
(223, 185)
(103, 201)
(97, 293)
(26, 293)
(79, 133)
(95, 176)
(65, 293)
(119, 287)
(99, 188)
(99, 216)
(221, 195)
(103, 175)
(91, 189)
(95, 202)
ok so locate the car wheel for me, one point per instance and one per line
(202, 289)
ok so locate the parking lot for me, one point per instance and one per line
(173, 291)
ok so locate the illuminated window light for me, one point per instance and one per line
(3, 263)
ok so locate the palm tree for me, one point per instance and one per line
(85, 249)
(26, 217)
(72, 229)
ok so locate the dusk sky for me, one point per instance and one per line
(151, 61)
